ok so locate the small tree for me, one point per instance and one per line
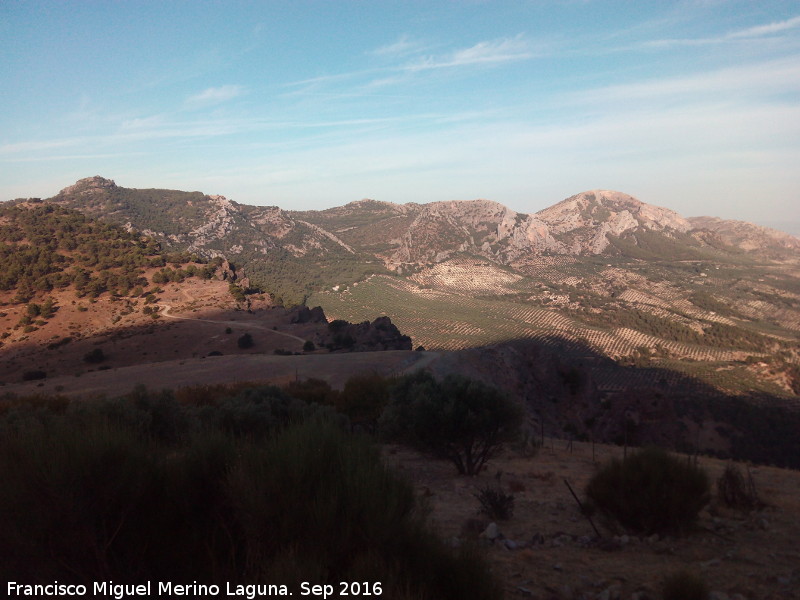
(462, 420)
(245, 341)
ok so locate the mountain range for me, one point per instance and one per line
(582, 310)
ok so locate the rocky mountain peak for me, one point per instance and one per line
(583, 221)
(89, 185)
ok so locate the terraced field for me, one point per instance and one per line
(669, 316)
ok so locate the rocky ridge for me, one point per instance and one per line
(408, 235)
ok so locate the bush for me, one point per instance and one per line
(685, 586)
(650, 492)
(495, 503)
(309, 346)
(312, 390)
(33, 375)
(87, 496)
(94, 356)
(459, 419)
(734, 491)
(245, 341)
(363, 399)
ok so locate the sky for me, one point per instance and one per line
(693, 105)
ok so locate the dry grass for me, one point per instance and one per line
(754, 555)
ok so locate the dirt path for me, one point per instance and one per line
(267, 368)
(168, 314)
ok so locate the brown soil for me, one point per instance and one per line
(194, 319)
(552, 551)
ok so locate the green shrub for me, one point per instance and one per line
(245, 341)
(363, 398)
(326, 500)
(88, 495)
(684, 585)
(462, 420)
(650, 492)
(312, 390)
(94, 356)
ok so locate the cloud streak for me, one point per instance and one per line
(751, 33)
(402, 47)
(482, 53)
(214, 95)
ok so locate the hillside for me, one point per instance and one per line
(634, 281)
(80, 295)
(631, 299)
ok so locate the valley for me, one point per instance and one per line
(580, 311)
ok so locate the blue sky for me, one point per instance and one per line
(693, 105)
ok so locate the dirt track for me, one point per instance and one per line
(334, 368)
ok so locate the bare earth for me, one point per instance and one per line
(195, 319)
(257, 368)
(545, 550)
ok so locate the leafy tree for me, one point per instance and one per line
(462, 420)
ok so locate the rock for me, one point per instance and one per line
(511, 544)
(716, 595)
(558, 567)
(653, 539)
(491, 532)
(763, 523)
(303, 314)
(563, 539)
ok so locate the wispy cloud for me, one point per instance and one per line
(757, 79)
(766, 29)
(410, 61)
(482, 53)
(402, 47)
(214, 95)
(142, 123)
(758, 31)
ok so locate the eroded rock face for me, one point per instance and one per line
(582, 222)
(481, 227)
